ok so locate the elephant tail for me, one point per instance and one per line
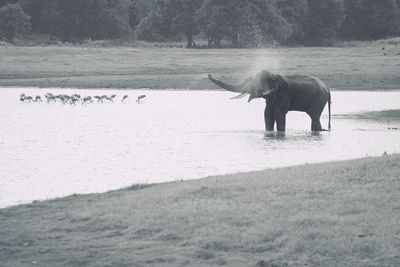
(329, 110)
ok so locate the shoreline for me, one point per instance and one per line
(342, 213)
(139, 186)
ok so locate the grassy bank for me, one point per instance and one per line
(331, 214)
(347, 68)
(388, 116)
(385, 115)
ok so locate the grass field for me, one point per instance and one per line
(348, 68)
(331, 214)
(382, 116)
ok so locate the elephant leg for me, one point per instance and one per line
(280, 121)
(315, 116)
(281, 107)
(316, 124)
(269, 118)
(315, 110)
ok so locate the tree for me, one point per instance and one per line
(246, 23)
(13, 21)
(211, 18)
(155, 21)
(79, 19)
(182, 14)
(367, 19)
(6, 2)
(274, 27)
(113, 19)
(324, 20)
(39, 22)
(295, 12)
(148, 28)
(134, 15)
(351, 27)
(381, 18)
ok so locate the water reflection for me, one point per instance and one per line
(269, 135)
(296, 136)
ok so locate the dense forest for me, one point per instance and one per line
(216, 23)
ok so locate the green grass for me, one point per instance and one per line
(392, 114)
(348, 68)
(331, 214)
(388, 116)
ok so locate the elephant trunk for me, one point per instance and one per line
(229, 87)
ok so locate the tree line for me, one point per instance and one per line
(234, 23)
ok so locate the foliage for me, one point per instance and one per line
(13, 21)
(238, 23)
(323, 21)
(80, 19)
(370, 19)
(295, 12)
(148, 28)
(6, 2)
(183, 18)
(249, 23)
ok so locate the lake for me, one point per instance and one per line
(53, 150)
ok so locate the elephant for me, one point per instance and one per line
(283, 93)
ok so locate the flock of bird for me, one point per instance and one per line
(74, 99)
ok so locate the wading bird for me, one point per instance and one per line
(73, 99)
(124, 97)
(110, 98)
(87, 99)
(38, 99)
(139, 98)
(22, 97)
(28, 98)
(99, 98)
(50, 97)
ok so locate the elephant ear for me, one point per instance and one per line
(275, 83)
(282, 82)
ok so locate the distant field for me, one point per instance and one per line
(350, 68)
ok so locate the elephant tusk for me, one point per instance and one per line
(239, 96)
(267, 92)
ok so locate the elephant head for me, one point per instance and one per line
(260, 85)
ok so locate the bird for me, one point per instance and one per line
(50, 97)
(77, 97)
(124, 97)
(29, 98)
(140, 98)
(99, 98)
(110, 98)
(22, 97)
(87, 99)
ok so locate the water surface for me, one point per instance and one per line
(53, 150)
